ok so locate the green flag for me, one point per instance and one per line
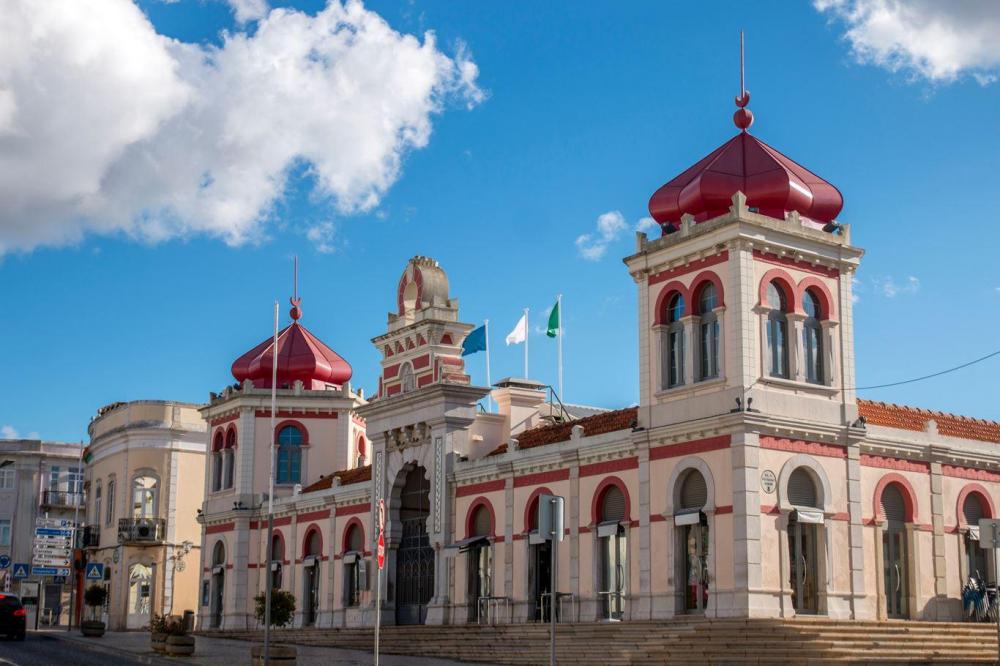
(554, 323)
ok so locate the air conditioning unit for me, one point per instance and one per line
(145, 532)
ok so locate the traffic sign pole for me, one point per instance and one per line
(380, 555)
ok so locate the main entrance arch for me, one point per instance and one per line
(415, 556)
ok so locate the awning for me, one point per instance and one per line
(275, 566)
(609, 528)
(534, 538)
(467, 544)
(310, 561)
(688, 517)
(217, 569)
(350, 558)
(812, 517)
(974, 532)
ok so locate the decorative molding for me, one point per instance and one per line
(802, 446)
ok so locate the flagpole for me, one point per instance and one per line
(270, 492)
(489, 382)
(562, 398)
(527, 334)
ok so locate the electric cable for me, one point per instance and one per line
(930, 376)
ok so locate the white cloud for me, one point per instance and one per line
(939, 41)
(108, 127)
(646, 224)
(890, 288)
(248, 10)
(610, 225)
(321, 235)
(8, 432)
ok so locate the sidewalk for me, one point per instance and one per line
(227, 652)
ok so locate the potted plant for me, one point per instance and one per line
(94, 598)
(179, 642)
(282, 612)
(158, 633)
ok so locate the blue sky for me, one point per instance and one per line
(575, 110)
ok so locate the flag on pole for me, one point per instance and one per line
(555, 321)
(520, 332)
(474, 341)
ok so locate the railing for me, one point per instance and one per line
(141, 530)
(90, 537)
(62, 498)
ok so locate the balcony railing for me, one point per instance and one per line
(62, 498)
(90, 537)
(141, 530)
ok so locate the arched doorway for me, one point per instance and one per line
(312, 552)
(613, 551)
(803, 534)
(478, 558)
(415, 556)
(539, 563)
(895, 551)
(692, 540)
(140, 582)
(218, 583)
(973, 508)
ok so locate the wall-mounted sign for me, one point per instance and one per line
(768, 482)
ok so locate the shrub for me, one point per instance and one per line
(282, 607)
(95, 595)
(174, 626)
(158, 624)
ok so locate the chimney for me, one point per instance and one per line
(519, 401)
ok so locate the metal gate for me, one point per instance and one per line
(415, 557)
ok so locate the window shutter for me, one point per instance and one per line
(893, 505)
(481, 522)
(613, 504)
(972, 508)
(802, 490)
(694, 491)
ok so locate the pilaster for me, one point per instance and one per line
(746, 525)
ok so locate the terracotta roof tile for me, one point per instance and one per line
(913, 418)
(347, 477)
(598, 424)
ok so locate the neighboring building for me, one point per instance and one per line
(750, 481)
(145, 475)
(38, 479)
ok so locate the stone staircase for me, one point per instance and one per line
(678, 641)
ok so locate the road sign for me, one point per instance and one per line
(550, 517)
(381, 550)
(4, 561)
(59, 579)
(53, 522)
(46, 562)
(49, 571)
(381, 515)
(21, 569)
(61, 532)
(95, 571)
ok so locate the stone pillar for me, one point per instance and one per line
(508, 538)
(237, 578)
(796, 360)
(439, 526)
(245, 452)
(746, 526)
(690, 341)
(939, 610)
(855, 535)
(573, 519)
(647, 377)
(644, 609)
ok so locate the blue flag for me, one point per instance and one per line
(475, 341)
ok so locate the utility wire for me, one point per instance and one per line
(920, 379)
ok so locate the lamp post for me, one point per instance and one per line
(270, 496)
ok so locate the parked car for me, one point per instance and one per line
(13, 617)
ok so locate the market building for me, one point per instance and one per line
(145, 470)
(749, 481)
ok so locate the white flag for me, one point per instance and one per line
(520, 332)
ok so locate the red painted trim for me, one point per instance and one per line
(446, 339)
(723, 510)
(530, 507)
(360, 447)
(897, 464)
(970, 473)
(479, 488)
(391, 371)
(787, 284)
(619, 465)
(358, 421)
(470, 515)
(393, 390)
(218, 529)
(657, 518)
(802, 446)
(265, 413)
(421, 361)
(663, 298)
(602, 487)
(805, 266)
(541, 477)
(690, 448)
(224, 419)
(984, 498)
(291, 422)
(281, 538)
(663, 276)
(842, 516)
(584, 529)
(769, 509)
(826, 302)
(313, 515)
(450, 360)
(424, 380)
(219, 440)
(231, 438)
(351, 524)
(305, 540)
(909, 496)
(699, 281)
(353, 509)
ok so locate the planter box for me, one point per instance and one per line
(281, 655)
(158, 642)
(180, 646)
(92, 628)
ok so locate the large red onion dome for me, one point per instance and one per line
(773, 183)
(301, 356)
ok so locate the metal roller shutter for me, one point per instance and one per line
(481, 522)
(893, 504)
(972, 508)
(802, 489)
(613, 504)
(355, 541)
(694, 491)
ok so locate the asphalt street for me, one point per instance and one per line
(42, 650)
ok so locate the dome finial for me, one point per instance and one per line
(296, 311)
(743, 116)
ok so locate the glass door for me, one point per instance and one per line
(894, 569)
(613, 553)
(479, 579)
(803, 569)
(139, 591)
(695, 539)
(540, 578)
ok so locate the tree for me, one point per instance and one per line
(95, 596)
(282, 607)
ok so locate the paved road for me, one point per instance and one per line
(44, 650)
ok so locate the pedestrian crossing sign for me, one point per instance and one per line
(95, 571)
(21, 570)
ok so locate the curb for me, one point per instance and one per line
(109, 649)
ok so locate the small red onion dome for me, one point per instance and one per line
(301, 356)
(773, 183)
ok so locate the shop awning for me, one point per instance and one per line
(806, 516)
(469, 543)
(688, 517)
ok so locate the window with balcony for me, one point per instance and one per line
(4, 532)
(97, 502)
(110, 514)
(7, 479)
(144, 496)
(54, 478)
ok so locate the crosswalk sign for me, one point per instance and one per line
(95, 571)
(21, 569)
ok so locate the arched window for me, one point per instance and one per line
(406, 379)
(277, 558)
(362, 452)
(289, 455)
(229, 455)
(354, 572)
(672, 342)
(613, 547)
(310, 570)
(144, 497)
(708, 333)
(895, 549)
(777, 330)
(812, 338)
(693, 540)
(97, 502)
(803, 534)
(110, 512)
(217, 446)
(218, 584)
(479, 560)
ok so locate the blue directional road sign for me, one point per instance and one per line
(49, 571)
(95, 571)
(21, 570)
(4, 561)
